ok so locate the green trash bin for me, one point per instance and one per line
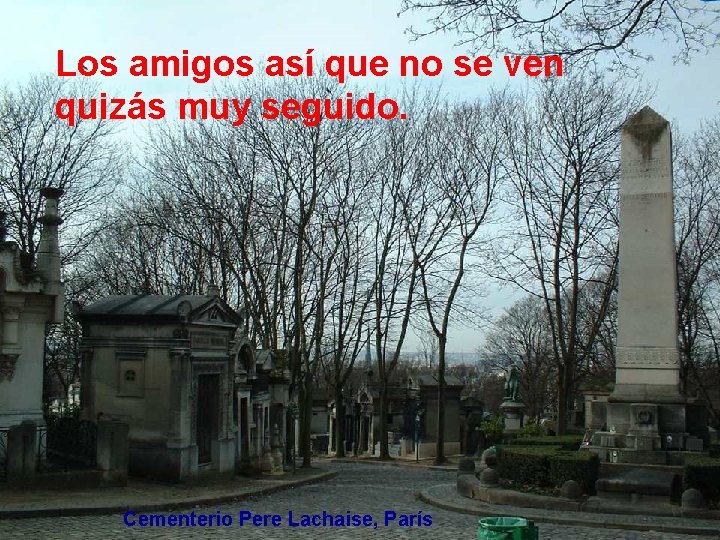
(507, 528)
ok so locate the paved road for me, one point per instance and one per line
(358, 489)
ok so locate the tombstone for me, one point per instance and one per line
(113, 451)
(21, 452)
(646, 402)
(693, 498)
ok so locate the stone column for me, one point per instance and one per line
(181, 452)
(179, 386)
(48, 252)
(259, 436)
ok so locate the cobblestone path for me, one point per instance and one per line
(358, 489)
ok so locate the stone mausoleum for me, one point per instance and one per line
(31, 297)
(180, 373)
(412, 411)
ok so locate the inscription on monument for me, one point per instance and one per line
(648, 358)
(644, 168)
(645, 196)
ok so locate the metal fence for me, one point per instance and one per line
(72, 442)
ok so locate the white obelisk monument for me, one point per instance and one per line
(646, 398)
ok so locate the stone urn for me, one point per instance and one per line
(513, 411)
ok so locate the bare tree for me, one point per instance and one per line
(309, 159)
(563, 161)
(443, 210)
(697, 204)
(576, 29)
(37, 149)
(350, 283)
(429, 347)
(397, 159)
(521, 338)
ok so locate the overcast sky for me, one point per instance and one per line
(33, 31)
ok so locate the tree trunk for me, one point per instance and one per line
(440, 447)
(339, 423)
(384, 449)
(306, 422)
(563, 389)
(289, 439)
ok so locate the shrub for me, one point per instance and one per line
(545, 465)
(493, 430)
(532, 429)
(714, 450)
(568, 443)
(703, 473)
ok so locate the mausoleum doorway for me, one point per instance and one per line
(207, 415)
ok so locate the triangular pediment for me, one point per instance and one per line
(215, 312)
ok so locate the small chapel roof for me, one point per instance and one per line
(155, 306)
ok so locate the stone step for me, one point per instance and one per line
(643, 457)
(638, 484)
(610, 469)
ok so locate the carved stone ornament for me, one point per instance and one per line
(644, 418)
(7, 366)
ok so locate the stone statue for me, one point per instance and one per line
(512, 385)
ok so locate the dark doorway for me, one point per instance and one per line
(349, 432)
(244, 432)
(207, 415)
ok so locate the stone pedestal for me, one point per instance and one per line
(513, 412)
(667, 418)
(21, 452)
(113, 451)
(643, 432)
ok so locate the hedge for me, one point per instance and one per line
(525, 465)
(714, 450)
(544, 465)
(703, 473)
(581, 466)
(568, 443)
